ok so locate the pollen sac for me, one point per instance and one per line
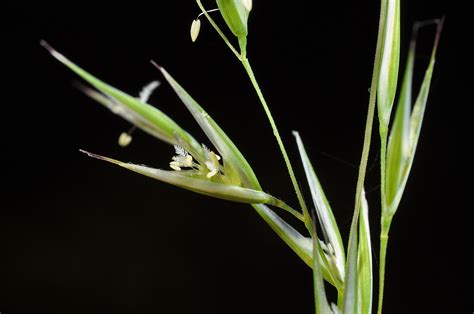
(124, 139)
(195, 28)
(213, 167)
(182, 159)
(235, 14)
(212, 162)
(175, 165)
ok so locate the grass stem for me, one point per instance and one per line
(383, 255)
(340, 298)
(242, 56)
(384, 230)
(276, 133)
(353, 236)
(282, 205)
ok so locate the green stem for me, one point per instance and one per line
(242, 56)
(384, 228)
(383, 255)
(248, 69)
(218, 30)
(370, 119)
(383, 168)
(340, 298)
(282, 205)
(352, 248)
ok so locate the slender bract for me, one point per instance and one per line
(190, 181)
(388, 76)
(324, 214)
(365, 280)
(320, 299)
(398, 150)
(406, 129)
(300, 244)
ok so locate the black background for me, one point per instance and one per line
(81, 236)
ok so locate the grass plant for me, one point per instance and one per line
(223, 172)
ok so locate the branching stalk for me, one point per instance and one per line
(276, 133)
(282, 205)
(242, 56)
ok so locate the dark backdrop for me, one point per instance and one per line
(81, 236)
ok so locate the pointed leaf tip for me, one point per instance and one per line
(439, 29)
(99, 157)
(52, 51)
(45, 44)
(156, 65)
(87, 153)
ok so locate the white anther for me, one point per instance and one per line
(124, 139)
(175, 165)
(195, 28)
(182, 159)
(212, 173)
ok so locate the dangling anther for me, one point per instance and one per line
(196, 25)
(126, 137)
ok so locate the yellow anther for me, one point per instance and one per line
(124, 139)
(195, 28)
(175, 165)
